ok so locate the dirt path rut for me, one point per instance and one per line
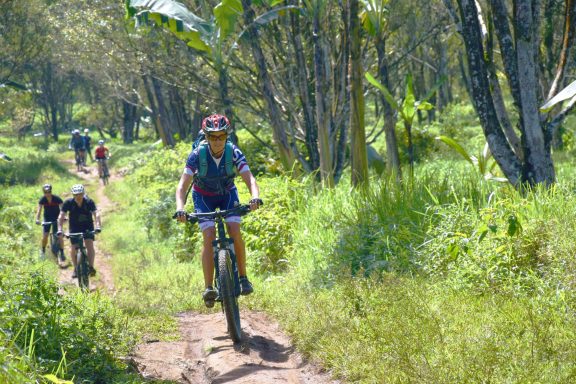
(205, 354)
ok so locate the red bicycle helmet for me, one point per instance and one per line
(216, 123)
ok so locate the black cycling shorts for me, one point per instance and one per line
(46, 227)
(76, 241)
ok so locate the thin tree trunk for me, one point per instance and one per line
(311, 130)
(358, 155)
(326, 170)
(165, 127)
(393, 157)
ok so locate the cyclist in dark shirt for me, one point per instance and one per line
(51, 205)
(78, 144)
(82, 215)
(88, 143)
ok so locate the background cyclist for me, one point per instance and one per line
(101, 154)
(88, 143)
(51, 204)
(216, 189)
(82, 214)
(77, 144)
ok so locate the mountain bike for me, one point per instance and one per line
(82, 265)
(105, 175)
(226, 278)
(53, 237)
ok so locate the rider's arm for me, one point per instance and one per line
(96, 214)
(38, 212)
(250, 181)
(182, 190)
(61, 218)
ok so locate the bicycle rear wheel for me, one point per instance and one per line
(226, 292)
(82, 272)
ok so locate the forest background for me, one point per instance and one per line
(419, 200)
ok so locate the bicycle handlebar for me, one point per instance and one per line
(80, 234)
(242, 210)
(48, 222)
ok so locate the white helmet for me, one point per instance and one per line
(77, 189)
(100, 142)
(86, 130)
(76, 131)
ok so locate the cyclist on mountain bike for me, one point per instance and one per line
(87, 143)
(210, 169)
(51, 205)
(101, 155)
(78, 145)
(82, 214)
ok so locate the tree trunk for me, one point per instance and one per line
(480, 91)
(129, 120)
(165, 127)
(393, 157)
(538, 166)
(311, 130)
(278, 126)
(326, 169)
(358, 155)
(340, 110)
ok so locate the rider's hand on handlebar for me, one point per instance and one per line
(255, 203)
(37, 222)
(180, 215)
(98, 230)
(59, 233)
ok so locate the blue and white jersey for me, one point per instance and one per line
(216, 181)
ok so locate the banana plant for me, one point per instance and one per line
(408, 107)
(484, 163)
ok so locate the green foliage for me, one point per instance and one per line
(27, 165)
(267, 232)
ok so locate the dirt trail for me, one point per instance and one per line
(205, 354)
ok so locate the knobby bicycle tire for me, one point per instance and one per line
(54, 245)
(83, 272)
(105, 173)
(229, 299)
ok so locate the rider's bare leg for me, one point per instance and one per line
(208, 236)
(44, 240)
(91, 253)
(239, 247)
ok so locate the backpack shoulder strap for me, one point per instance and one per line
(229, 159)
(202, 159)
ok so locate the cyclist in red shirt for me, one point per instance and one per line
(101, 155)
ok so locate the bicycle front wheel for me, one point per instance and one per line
(54, 245)
(82, 271)
(229, 299)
